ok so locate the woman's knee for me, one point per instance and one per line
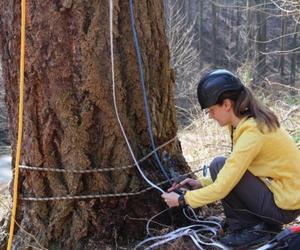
(216, 165)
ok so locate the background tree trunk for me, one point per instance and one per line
(70, 120)
(200, 30)
(214, 34)
(250, 48)
(187, 10)
(294, 56)
(282, 46)
(237, 35)
(261, 37)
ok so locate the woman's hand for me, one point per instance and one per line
(171, 199)
(194, 184)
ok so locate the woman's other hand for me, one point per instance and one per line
(171, 199)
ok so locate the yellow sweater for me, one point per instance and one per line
(271, 156)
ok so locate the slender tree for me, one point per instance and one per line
(4, 139)
(261, 37)
(237, 35)
(249, 31)
(70, 120)
(214, 34)
(295, 55)
(187, 10)
(282, 45)
(200, 30)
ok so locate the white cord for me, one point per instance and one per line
(167, 237)
(196, 219)
(152, 218)
(115, 101)
(192, 231)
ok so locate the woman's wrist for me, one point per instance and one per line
(181, 200)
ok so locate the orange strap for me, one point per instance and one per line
(20, 127)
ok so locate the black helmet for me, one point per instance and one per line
(213, 84)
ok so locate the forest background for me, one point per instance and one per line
(257, 39)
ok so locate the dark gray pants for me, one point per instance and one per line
(250, 202)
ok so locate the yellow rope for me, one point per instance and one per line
(20, 126)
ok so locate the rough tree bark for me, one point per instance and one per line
(70, 120)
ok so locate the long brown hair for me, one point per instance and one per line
(245, 104)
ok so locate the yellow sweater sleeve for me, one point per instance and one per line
(205, 181)
(245, 150)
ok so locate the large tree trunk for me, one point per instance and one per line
(70, 120)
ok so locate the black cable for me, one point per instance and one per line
(144, 90)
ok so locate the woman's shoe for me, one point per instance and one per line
(247, 237)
